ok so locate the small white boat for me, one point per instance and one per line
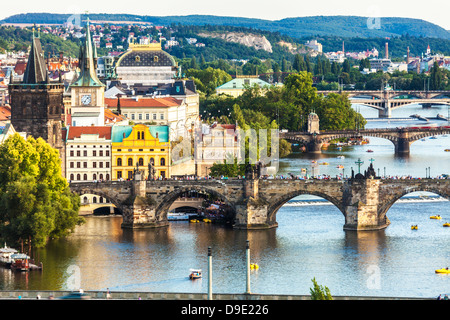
(5, 255)
(195, 274)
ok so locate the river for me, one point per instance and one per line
(309, 242)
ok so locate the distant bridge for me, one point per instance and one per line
(387, 100)
(402, 138)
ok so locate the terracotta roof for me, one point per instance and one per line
(143, 102)
(112, 117)
(5, 113)
(76, 132)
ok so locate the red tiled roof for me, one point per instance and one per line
(143, 102)
(76, 132)
(109, 115)
(5, 113)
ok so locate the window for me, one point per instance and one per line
(119, 174)
(154, 116)
(147, 116)
(85, 177)
(106, 164)
(162, 162)
(142, 135)
(71, 177)
(130, 162)
(107, 153)
(94, 153)
(140, 116)
(100, 176)
(94, 164)
(71, 153)
(94, 176)
(119, 162)
(85, 153)
(84, 164)
(71, 164)
(100, 164)
(78, 164)
(130, 175)
(78, 153)
(132, 116)
(101, 153)
(107, 176)
(78, 177)
(141, 161)
(161, 116)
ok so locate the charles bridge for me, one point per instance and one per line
(253, 203)
(402, 138)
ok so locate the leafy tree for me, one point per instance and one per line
(436, 77)
(35, 203)
(319, 292)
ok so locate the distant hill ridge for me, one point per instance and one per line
(300, 27)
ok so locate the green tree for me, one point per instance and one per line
(319, 292)
(35, 203)
(436, 77)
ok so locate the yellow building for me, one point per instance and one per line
(137, 147)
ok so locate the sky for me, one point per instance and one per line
(434, 11)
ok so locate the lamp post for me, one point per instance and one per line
(209, 274)
(247, 249)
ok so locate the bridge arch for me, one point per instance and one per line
(80, 190)
(390, 201)
(276, 204)
(166, 202)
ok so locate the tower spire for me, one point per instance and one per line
(36, 70)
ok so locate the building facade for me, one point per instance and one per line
(140, 147)
(88, 156)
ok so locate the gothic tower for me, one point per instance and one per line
(87, 92)
(36, 103)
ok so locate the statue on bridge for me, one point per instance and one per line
(151, 171)
(368, 174)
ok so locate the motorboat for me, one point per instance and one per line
(340, 166)
(447, 150)
(195, 274)
(443, 270)
(207, 220)
(436, 217)
(20, 262)
(5, 255)
(447, 224)
(370, 150)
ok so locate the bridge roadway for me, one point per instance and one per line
(402, 138)
(254, 203)
(387, 100)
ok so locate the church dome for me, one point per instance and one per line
(146, 56)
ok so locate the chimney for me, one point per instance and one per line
(386, 53)
(407, 55)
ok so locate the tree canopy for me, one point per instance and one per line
(35, 203)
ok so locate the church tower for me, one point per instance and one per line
(87, 92)
(36, 103)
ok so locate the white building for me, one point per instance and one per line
(88, 153)
(314, 45)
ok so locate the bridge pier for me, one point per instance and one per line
(361, 200)
(386, 111)
(314, 146)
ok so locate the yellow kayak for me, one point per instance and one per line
(254, 266)
(193, 220)
(443, 270)
(206, 220)
(413, 227)
(435, 217)
(447, 224)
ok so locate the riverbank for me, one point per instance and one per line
(126, 295)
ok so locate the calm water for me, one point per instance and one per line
(308, 243)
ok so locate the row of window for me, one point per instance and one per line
(119, 163)
(85, 164)
(129, 174)
(84, 177)
(100, 146)
(85, 153)
(141, 116)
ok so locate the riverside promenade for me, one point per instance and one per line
(127, 295)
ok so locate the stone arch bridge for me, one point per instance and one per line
(254, 202)
(402, 138)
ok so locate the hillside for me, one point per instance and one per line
(340, 26)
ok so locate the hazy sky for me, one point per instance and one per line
(435, 11)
